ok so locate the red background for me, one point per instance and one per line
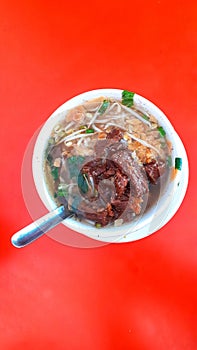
(133, 296)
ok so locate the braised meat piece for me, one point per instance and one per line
(103, 147)
(100, 147)
(102, 216)
(135, 172)
(115, 135)
(154, 170)
(121, 182)
(120, 186)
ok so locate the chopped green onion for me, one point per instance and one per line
(103, 107)
(169, 161)
(89, 131)
(178, 163)
(82, 127)
(127, 98)
(97, 225)
(51, 141)
(61, 193)
(161, 131)
(62, 190)
(145, 117)
(49, 159)
(54, 172)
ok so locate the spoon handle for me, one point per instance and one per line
(39, 227)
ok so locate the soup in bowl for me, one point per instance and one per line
(114, 159)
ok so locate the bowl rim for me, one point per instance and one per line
(173, 197)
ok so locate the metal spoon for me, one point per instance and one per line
(39, 227)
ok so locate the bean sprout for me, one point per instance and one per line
(114, 118)
(135, 114)
(69, 137)
(95, 127)
(95, 115)
(143, 111)
(115, 104)
(116, 125)
(68, 126)
(79, 142)
(144, 143)
(82, 136)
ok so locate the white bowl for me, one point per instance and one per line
(152, 220)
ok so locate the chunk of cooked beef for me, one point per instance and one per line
(102, 216)
(100, 147)
(115, 135)
(135, 172)
(106, 190)
(154, 170)
(120, 183)
(110, 144)
(55, 152)
(119, 205)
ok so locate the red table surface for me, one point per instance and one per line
(132, 296)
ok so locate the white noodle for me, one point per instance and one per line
(135, 114)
